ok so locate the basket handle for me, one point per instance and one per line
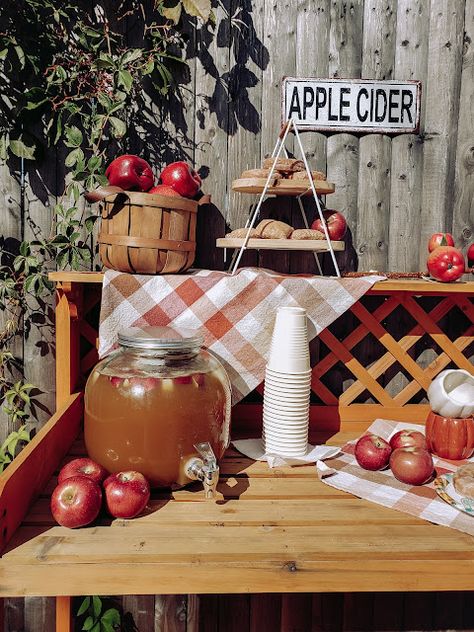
(99, 194)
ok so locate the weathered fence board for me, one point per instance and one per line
(441, 116)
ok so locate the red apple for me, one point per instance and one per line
(180, 177)
(83, 467)
(126, 494)
(131, 173)
(76, 502)
(440, 239)
(372, 452)
(164, 189)
(413, 466)
(470, 257)
(446, 264)
(407, 439)
(336, 224)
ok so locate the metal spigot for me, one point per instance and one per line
(204, 469)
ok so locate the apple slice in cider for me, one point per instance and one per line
(144, 383)
(116, 381)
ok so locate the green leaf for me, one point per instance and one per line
(73, 157)
(90, 223)
(198, 8)
(94, 163)
(73, 136)
(148, 67)
(20, 149)
(172, 13)
(125, 79)
(119, 126)
(96, 628)
(131, 55)
(96, 605)
(62, 258)
(88, 623)
(111, 616)
(20, 54)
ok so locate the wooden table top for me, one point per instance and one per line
(279, 530)
(389, 285)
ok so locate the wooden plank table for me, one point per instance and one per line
(268, 531)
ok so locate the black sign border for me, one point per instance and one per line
(355, 130)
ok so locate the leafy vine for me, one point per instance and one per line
(79, 80)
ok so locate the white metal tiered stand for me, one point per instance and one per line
(255, 210)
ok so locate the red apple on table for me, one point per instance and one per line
(76, 502)
(413, 466)
(336, 224)
(440, 239)
(83, 467)
(131, 173)
(446, 264)
(372, 452)
(164, 189)
(126, 494)
(182, 178)
(408, 438)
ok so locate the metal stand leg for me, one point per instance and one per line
(276, 154)
(316, 199)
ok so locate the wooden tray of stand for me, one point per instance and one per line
(315, 245)
(282, 187)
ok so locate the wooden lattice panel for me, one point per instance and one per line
(365, 395)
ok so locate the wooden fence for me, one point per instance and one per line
(394, 192)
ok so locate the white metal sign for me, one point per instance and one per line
(356, 105)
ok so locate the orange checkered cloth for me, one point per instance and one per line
(234, 314)
(384, 489)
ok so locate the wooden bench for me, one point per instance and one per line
(269, 531)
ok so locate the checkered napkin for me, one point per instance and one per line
(384, 489)
(235, 314)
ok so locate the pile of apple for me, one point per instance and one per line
(445, 262)
(132, 173)
(406, 452)
(82, 484)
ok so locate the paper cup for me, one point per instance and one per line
(287, 376)
(289, 349)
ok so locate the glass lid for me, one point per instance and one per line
(160, 338)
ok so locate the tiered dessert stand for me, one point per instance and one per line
(294, 188)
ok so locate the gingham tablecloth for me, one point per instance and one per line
(235, 314)
(384, 489)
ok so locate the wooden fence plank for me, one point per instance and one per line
(375, 149)
(170, 613)
(311, 61)
(345, 60)
(463, 214)
(212, 116)
(280, 41)
(407, 150)
(265, 613)
(38, 346)
(296, 613)
(441, 117)
(140, 608)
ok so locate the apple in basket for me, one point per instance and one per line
(83, 467)
(126, 494)
(76, 502)
(164, 189)
(372, 452)
(131, 173)
(440, 239)
(180, 177)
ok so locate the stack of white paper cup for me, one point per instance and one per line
(287, 385)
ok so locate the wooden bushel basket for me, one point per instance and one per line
(147, 234)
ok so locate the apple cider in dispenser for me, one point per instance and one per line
(159, 405)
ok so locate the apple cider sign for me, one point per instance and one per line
(355, 105)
